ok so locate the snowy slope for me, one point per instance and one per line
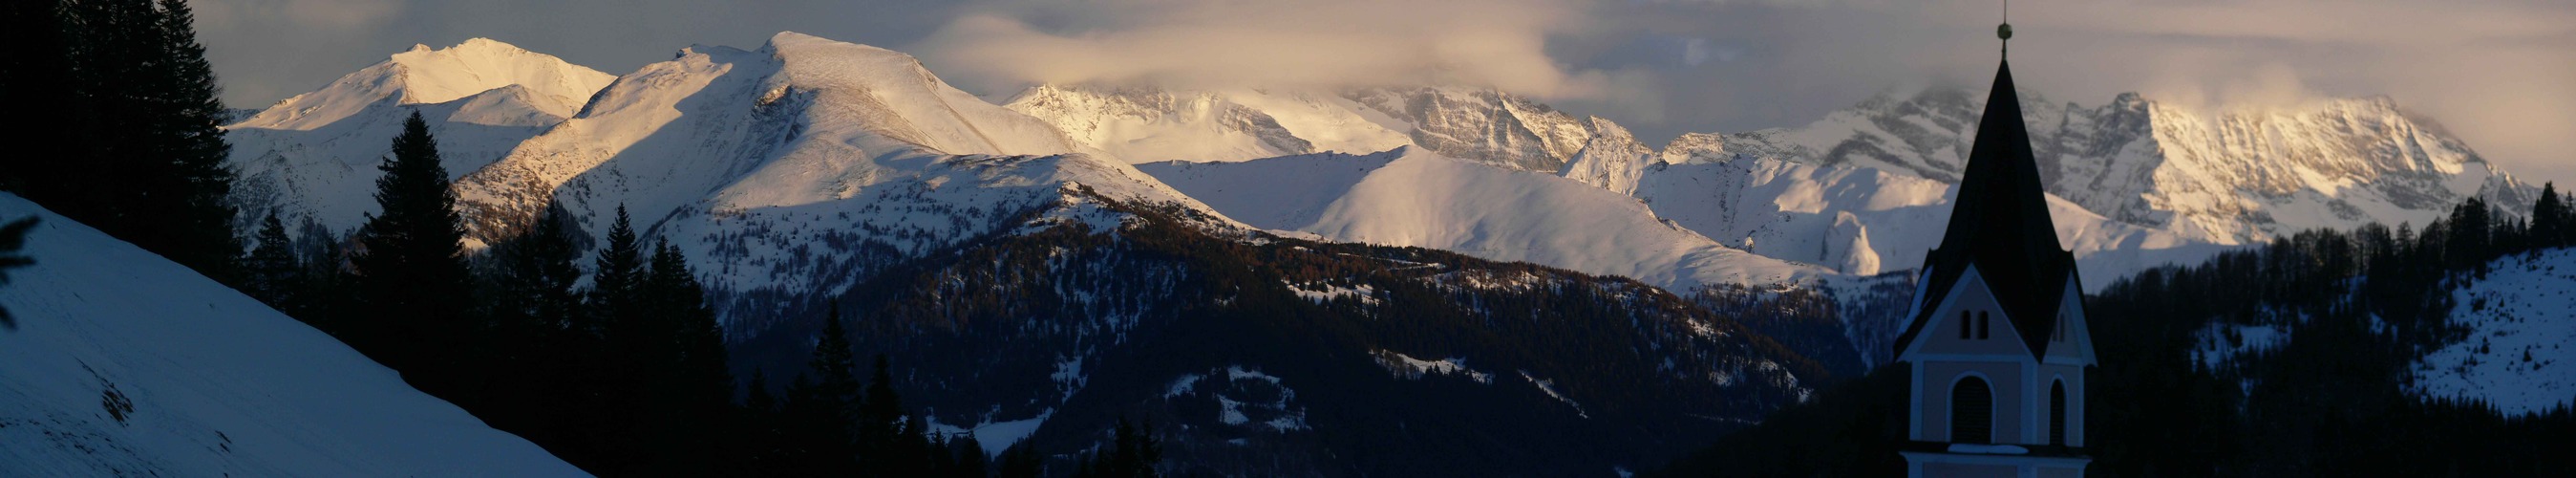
(1148, 124)
(1612, 159)
(1143, 124)
(314, 156)
(1412, 197)
(2234, 175)
(2518, 311)
(1864, 221)
(127, 364)
(795, 168)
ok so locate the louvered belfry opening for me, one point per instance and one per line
(2057, 413)
(1972, 412)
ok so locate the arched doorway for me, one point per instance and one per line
(1972, 411)
(2057, 412)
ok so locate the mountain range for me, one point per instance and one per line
(1260, 269)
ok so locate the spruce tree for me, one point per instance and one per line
(534, 307)
(327, 288)
(2549, 217)
(623, 369)
(615, 276)
(151, 170)
(758, 439)
(35, 75)
(883, 443)
(410, 270)
(194, 223)
(691, 391)
(13, 236)
(275, 273)
(823, 404)
(2471, 237)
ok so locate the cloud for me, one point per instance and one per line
(321, 14)
(1320, 43)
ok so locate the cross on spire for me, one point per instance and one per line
(2004, 30)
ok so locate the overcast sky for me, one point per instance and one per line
(2499, 73)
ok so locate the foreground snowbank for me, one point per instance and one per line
(127, 364)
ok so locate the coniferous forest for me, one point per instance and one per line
(2330, 401)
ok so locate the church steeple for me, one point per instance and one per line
(1977, 408)
(1999, 224)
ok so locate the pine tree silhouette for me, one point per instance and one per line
(535, 348)
(690, 391)
(411, 274)
(35, 75)
(275, 273)
(150, 162)
(2549, 219)
(823, 404)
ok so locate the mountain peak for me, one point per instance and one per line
(423, 75)
(482, 64)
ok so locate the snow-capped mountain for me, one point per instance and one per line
(796, 168)
(314, 156)
(1777, 209)
(2233, 176)
(126, 364)
(2520, 350)
(1412, 197)
(1485, 125)
(1864, 221)
(1151, 124)
(1144, 124)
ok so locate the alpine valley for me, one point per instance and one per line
(1399, 281)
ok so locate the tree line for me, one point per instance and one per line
(131, 144)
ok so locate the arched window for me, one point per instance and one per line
(2057, 413)
(1972, 412)
(1983, 328)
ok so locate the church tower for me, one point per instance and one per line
(1996, 339)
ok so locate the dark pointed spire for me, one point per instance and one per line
(1999, 225)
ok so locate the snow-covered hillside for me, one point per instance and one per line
(314, 156)
(1412, 197)
(2520, 352)
(795, 168)
(126, 364)
(2234, 176)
